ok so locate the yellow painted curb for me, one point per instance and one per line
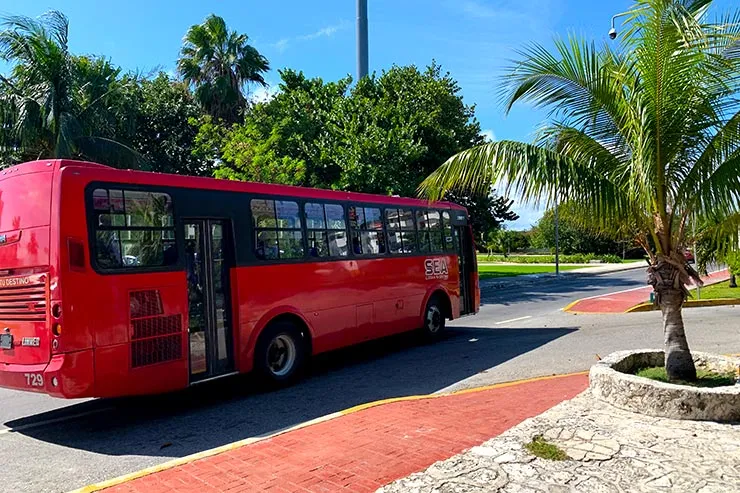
(648, 307)
(248, 441)
(571, 305)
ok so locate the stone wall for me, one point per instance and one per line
(612, 381)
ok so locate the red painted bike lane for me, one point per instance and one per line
(622, 301)
(363, 450)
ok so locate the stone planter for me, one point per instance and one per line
(611, 381)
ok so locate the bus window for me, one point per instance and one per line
(326, 230)
(367, 231)
(449, 241)
(435, 231)
(133, 229)
(401, 230)
(277, 226)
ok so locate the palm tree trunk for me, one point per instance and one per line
(668, 283)
(679, 363)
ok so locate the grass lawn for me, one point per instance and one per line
(704, 378)
(491, 271)
(719, 290)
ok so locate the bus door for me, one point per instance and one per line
(463, 238)
(208, 259)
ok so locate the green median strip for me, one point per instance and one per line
(721, 290)
(493, 271)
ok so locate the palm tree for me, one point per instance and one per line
(219, 63)
(46, 99)
(645, 137)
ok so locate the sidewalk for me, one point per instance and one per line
(366, 447)
(609, 451)
(622, 301)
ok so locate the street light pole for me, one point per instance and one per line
(361, 39)
(557, 237)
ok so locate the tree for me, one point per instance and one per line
(382, 136)
(218, 63)
(164, 125)
(648, 135)
(49, 102)
(573, 236)
(487, 211)
(505, 241)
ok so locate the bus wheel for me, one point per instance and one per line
(434, 319)
(279, 354)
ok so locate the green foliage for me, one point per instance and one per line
(506, 241)
(218, 63)
(573, 236)
(54, 104)
(163, 125)
(578, 258)
(545, 450)
(382, 136)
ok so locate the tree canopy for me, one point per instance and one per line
(218, 63)
(383, 135)
(54, 104)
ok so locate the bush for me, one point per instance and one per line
(577, 258)
(611, 259)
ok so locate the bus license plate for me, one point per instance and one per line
(6, 341)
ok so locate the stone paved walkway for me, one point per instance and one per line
(611, 451)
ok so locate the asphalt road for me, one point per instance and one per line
(54, 445)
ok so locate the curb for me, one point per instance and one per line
(649, 307)
(91, 488)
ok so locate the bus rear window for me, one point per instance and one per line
(133, 229)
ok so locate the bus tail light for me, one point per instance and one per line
(56, 329)
(56, 310)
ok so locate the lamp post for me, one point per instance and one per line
(361, 39)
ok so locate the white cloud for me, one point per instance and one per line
(282, 45)
(324, 32)
(488, 135)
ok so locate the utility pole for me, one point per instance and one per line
(557, 237)
(361, 39)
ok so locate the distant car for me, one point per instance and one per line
(688, 256)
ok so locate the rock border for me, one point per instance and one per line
(610, 380)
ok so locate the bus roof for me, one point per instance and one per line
(99, 172)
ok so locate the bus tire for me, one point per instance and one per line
(279, 354)
(434, 318)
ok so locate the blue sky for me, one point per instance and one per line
(472, 39)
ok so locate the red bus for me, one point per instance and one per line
(118, 282)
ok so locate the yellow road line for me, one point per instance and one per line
(248, 441)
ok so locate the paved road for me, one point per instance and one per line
(116, 437)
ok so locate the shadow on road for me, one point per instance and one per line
(224, 411)
(557, 289)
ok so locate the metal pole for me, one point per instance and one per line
(361, 39)
(557, 239)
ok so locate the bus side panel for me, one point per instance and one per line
(324, 293)
(399, 290)
(138, 350)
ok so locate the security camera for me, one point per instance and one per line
(613, 33)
